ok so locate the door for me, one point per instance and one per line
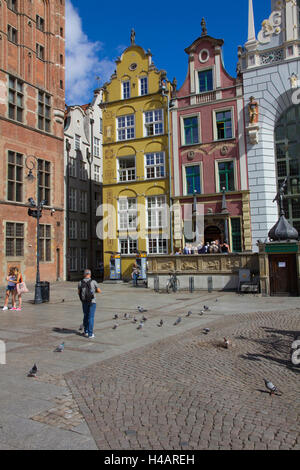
(283, 275)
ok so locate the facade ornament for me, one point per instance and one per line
(253, 111)
(132, 37)
(294, 80)
(270, 27)
(282, 230)
(204, 29)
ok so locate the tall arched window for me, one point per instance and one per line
(287, 140)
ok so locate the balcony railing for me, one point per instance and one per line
(206, 97)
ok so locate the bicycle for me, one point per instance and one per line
(173, 283)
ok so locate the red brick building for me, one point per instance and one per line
(32, 96)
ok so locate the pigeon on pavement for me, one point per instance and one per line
(115, 326)
(177, 321)
(60, 348)
(206, 330)
(160, 323)
(206, 308)
(33, 371)
(189, 313)
(144, 318)
(271, 387)
(140, 326)
(226, 343)
(116, 316)
(135, 320)
(126, 316)
(141, 309)
(201, 313)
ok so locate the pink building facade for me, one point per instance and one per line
(209, 150)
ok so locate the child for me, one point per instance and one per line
(19, 279)
(11, 289)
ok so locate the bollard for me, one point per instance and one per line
(192, 284)
(156, 284)
(210, 284)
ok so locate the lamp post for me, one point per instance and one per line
(35, 210)
(170, 105)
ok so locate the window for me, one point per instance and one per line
(61, 31)
(144, 86)
(101, 126)
(224, 125)
(61, 59)
(12, 5)
(126, 90)
(73, 229)
(154, 122)
(61, 84)
(40, 23)
(83, 259)
(128, 246)
(14, 239)
(83, 201)
(12, 34)
(44, 111)
(97, 175)
(155, 165)
(82, 171)
(126, 127)
(96, 147)
(206, 81)
(73, 199)
(157, 246)
(77, 142)
(236, 235)
(226, 176)
(156, 206)
(83, 230)
(15, 177)
(127, 213)
(44, 184)
(193, 179)
(40, 51)
(45, 243)
(15, 99)
(127, 169)
(73, 259)
(191, 130)
(73, 167)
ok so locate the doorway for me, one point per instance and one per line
(212, 233)
(283, 275)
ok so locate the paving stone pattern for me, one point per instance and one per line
(189, 392)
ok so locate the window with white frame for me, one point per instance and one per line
(83, 201)
(96, 147)
(83, 230)
(128, 213)
(73, 229)
(101, 126)
(144, 86)
(224, 124)
(97, 173)
(126, 127)
(83, 259)
(155, 165)
(156, 209)
(83, 171)
(73, 167)
(157, 246)
(77, 142)
(73, 259)
(126, 90)
(73, 199)
(154, 122)
(126, 169)
(128, 246)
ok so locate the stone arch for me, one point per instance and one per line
(125, 110)
(125, 150)
(127, 193)
(154, 104)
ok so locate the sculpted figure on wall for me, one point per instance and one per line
(253, 111)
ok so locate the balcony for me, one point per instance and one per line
(206, 97)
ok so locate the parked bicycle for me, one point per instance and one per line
(173, 283)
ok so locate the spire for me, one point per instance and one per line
(251, 26)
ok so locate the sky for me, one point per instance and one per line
(97, 32)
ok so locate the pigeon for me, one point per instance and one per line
(60, 348)
(206, 308)
(206, 330)
(126, 316)
(144, 318)
(201, 313)
(141, 309)
(135, 320)
(115, 326)
(271, 387)
(81, 327)
(177, 321)
(140, 326)
(189, 313)
(33, 371)
(116, 316)
(226, 343)
(160, 323)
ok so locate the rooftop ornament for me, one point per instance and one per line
(204, 29)
(282, 230)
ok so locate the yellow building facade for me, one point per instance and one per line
(136, 144)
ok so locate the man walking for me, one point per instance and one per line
(87, 288)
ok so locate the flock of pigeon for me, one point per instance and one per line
(271, 388)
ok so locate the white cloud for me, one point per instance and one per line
(82, 60)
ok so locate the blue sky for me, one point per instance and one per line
(97, 32)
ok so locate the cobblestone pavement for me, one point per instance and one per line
(189, 392)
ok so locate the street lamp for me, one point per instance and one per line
(170, 105)
(35, 210)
